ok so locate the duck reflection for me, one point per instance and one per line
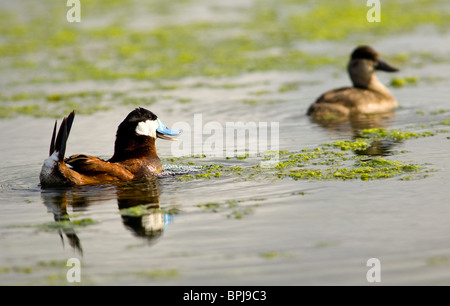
(148, 221)
(356, 124)
(138, 203)
(57, 201)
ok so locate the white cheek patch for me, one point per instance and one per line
(147, 128)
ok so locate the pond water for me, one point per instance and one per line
(236, 228)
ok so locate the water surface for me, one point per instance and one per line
(232, 230)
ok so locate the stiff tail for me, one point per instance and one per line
(59, 144)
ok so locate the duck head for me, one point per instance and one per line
(137, 133)
(364, 62)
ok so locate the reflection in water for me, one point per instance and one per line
(378, 148)
(57, 202)
(149, 223)
(354, 125)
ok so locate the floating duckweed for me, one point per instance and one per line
(324, 162)
(260, 92)
(409, 80)
(445, 122)
(346, 145)
(66, 224)
(139, 101)
(377, 134)
(323, 244)
(190, 49)
(52, 263)
(141, 210)
(440, 111)
(233, 207)
(211, 206)
(240, 213)
(438, 260)
(159, 273)
(186, 177)
(137, 211)
(289, 86)
(270, 254)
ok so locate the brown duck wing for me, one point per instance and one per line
(340, 95)
(91, 166)
(333, 102)
(351, 96)
(348, 100)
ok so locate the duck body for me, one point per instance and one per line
(367, 96)
(134, 156)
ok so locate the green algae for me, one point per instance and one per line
(159, 273)
(397, 135)
(440, 112)
(327, 20)
(60, 225)
(273, 254)
(270, 254)
(51, 272)
(139, 101)
(341, 160)
(34, 268)
(352, 145)
(40, 104)
(181, 50)
(438, 260)
(233, 209)
(141, 210)
(208, 171)
(400, 82)
(362, 171)
(445, 122)
(290, 86)
(324, 244)
(173, 51)
(66, 224)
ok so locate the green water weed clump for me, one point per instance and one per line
(45, 50)
(400, 82)
(396, 135)
(233, 209)
(145, 209)
(340, 160)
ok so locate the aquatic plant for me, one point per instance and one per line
(145, 209)
(400, 82)
(330, 161)
(45, 49)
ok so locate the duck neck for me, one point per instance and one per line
(371, 83)
(139, 147)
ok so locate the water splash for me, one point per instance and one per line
(174, 170)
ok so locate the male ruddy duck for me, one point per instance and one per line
(134, 153)
(367, 96)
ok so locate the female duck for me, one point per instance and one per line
(367, 96)
(134, 153)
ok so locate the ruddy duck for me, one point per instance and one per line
(134, 153)
(367, 96)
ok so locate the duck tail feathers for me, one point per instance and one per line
(59, 145)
